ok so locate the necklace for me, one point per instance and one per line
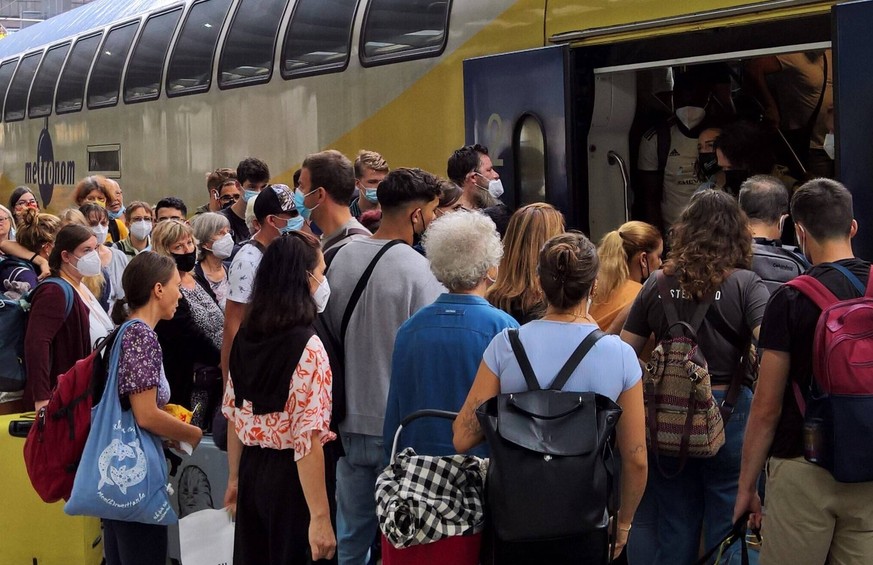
(573, 317)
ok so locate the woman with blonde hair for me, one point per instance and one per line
(192, 338)
(628, 256)
(517, 290)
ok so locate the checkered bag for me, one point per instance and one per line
(421, 499)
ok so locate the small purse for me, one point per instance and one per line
(122, 474)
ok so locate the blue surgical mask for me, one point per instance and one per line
(294, 224)
(299, 198)
(115, 215)
(370, 195)
(249, 194)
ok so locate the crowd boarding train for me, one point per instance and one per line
(155, 93)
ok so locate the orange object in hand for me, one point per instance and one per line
(179, 412)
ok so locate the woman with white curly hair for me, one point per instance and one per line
(438, 350)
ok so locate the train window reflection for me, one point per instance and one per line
(143, 78)
(190, 67)
(530, 151)
(71, 87)
(247, 56)
(6, 70)
(404, 29)
(106, 76)
(16, 99)
(43, 90)
(318, 38)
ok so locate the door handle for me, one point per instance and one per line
(614, 159)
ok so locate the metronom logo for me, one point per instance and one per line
(45, 171)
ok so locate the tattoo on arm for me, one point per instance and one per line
(638, 449)
(471, 423)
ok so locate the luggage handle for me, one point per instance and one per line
(20, 428)
(427, 413)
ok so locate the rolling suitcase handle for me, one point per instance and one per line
(427, 413)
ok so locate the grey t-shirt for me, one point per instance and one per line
(740, 301)
(400, 285)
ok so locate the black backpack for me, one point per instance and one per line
(777, 264)
(553, 472)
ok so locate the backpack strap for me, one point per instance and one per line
(869, 292)
(359, 288)
(813, 289)
(856, 282)
(576, 358)
(67, 288)
(673, 322)
(346, 233)
(523, 362)
(566, 371)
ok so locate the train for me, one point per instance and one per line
(155, 93)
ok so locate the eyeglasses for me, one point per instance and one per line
(229, 198)
(3, 220)
(29, 203)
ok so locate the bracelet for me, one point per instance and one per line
(625, 529)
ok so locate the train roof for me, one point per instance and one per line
(92, 16)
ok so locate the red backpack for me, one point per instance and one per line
(57, 438)
(838, 408)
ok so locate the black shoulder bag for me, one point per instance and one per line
(552, 471)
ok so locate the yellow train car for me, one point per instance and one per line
(155, 93)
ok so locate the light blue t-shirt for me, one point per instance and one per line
(610, 368)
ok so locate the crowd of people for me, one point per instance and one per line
(414, 283)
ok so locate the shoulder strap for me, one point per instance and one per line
(813, 289)
(849, 275)
(576, 358)
(362, 284)
(258, 245)
(348, 232)
(869, 292)
(670, 306)
(810, 125)
(523, 362)
(68, 292)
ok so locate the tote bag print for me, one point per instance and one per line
(123, 473)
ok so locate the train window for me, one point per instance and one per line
(6, 70)
(530, 161)
(318, 38)
(106, 76)
(43, 90)
(247, 57)
(190, 69)
(143, 78)
(404, 29)
(16, 99)
(71, 87)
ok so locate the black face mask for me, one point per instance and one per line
(707, 164)
(227, 205)
(185, 261)
(416, 237)
(734, 178)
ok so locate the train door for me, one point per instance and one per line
(853, 107)
(518, 105)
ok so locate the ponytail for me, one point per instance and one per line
(613, 265)
(120, 311)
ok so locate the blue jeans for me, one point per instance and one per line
(356, 496)
(667, 525)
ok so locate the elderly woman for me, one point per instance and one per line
(192, 338)
(438, 350)
(215, 245)
(99, 190)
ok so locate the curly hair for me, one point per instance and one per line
(711, 239)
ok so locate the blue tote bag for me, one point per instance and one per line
(123, 473)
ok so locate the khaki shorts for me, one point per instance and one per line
(811, 519)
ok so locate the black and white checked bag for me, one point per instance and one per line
(422, 498)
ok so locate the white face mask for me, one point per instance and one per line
(495, 187)
(321, 294)
(690, 116)
(829, 147)
(223, 246)
(88, 264)
(141, 230)
(100, 232)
